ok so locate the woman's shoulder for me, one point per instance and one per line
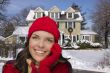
(9, 67)
(62, 67)
(10, 62)
(64, 64)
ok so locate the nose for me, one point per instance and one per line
(41, 44)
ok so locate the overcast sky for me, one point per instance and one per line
(16, 5)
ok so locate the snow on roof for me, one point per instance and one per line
(80, 17)
(62, 12)
(87, 32)
(21, 31)
(2, 38)
(30, 15)
(46, 13)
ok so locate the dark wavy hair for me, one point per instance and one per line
(22, 65)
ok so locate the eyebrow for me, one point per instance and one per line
(47, 37)
(34, 34)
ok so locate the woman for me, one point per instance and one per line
(42, 53)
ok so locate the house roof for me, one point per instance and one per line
(78, 18)
(21, 31)
(30, 16)
(88, 32)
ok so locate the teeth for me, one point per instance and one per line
(40, 52)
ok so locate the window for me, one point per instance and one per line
(76, 16)
(69, 24)
(87, 38)
(69, 15)
(38, 15)
(52, 15)
(56, 16)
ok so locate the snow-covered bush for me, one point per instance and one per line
(75, 46)
(80, 44)
(85, 44)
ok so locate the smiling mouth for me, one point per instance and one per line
(40, 52)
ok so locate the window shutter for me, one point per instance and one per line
(74, 25)
(66, 25)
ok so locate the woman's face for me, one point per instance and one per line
(40, 44)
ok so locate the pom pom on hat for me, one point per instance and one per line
(45, 24)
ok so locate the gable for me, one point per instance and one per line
(70, 9)
(39, 9)
(54, 9)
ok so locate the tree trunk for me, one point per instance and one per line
(106, 36)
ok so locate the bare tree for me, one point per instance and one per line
(3, 5)
(101, 20)
(20, 18)
(8, 30)
(3, 19)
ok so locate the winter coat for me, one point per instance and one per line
(59, 68)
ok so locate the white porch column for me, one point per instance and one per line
(61, 39)
(17, 38)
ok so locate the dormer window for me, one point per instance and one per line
(54, 15)
(70, 15)
(76, 16)
(54, 12)
(38, 14)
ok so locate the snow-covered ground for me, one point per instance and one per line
(86, 59)
(81, 59)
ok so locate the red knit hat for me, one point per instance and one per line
(45, 24)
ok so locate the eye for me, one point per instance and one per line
(50, 40)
